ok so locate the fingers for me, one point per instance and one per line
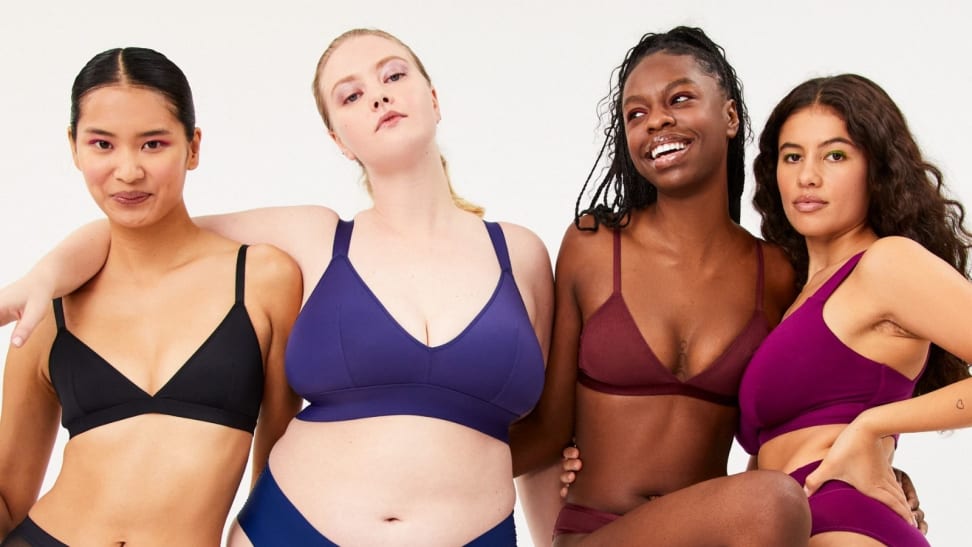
(908, 487)
(34, 312)
(812, 483)
(919, 516)
(566, 479)
(887, 491)
(570, 464)
(895, 499)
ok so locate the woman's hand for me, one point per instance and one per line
(911, 494)
(571, 465)
(860, 459)
(26, 302)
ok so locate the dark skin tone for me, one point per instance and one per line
(689, 304)
(688, 279)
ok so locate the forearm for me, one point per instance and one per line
(536, 444)
(74, 261)
(947, 408)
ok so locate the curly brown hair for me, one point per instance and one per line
(906, 193)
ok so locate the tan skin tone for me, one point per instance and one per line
(688, 278)
(888, 318)
(165, 285)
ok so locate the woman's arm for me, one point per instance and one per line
(927, 298)
(300, 231)
(28, 425)
(538, 438)
(68, 266)
(303, 231)
(274, 286)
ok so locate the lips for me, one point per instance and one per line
(808, 204)
(389, 119)
(130, 198)
(666, 150)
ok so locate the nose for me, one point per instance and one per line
(809, 175)
(129, 168)
(659, 118)
(382, 99)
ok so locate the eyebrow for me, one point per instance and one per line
(828, 142)
(673, 84)
(378, 65)
(151, 133)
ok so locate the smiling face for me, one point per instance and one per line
(677, 122)
(822, 174)
(376, 99)
(133, 153)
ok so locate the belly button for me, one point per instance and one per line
(392, 519)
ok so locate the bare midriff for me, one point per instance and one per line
(150, 480)
(400, 479)
(636, 448)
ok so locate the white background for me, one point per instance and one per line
(518, 83)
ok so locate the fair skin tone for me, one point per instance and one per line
(164, 286)
(684, 244)
(899, 298)
(432, 267)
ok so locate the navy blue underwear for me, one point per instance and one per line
(270, 519)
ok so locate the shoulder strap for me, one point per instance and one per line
(499, 244)
(59, 313)
(759, 275)
(342, 238)
(839, 276)
(240, 272)
(617, 260)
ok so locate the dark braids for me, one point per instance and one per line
(622, 188)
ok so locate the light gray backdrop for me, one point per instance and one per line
(518, 82)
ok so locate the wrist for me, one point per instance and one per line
(869, 423)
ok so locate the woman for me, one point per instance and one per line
(422, 335)
(661, 299)
(883, 312)
(159, 386)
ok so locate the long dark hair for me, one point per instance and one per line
(622, 188)
(906, 193)
(141, 67)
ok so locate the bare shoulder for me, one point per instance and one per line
(889, 250)
(528, 253)
(896, 259)
(582, 247)
(778, 271)
(270, 270)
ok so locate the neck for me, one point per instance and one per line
(694, 222)
(415, 196)
(150, 251)
(826, 251)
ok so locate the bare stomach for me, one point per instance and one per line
(791, 451)
(150, 481)
(396, 480)
(635, 448)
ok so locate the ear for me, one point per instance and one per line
(732, 128)
(74, 148)
(341, 146)
(435, 106)
(193, 160)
